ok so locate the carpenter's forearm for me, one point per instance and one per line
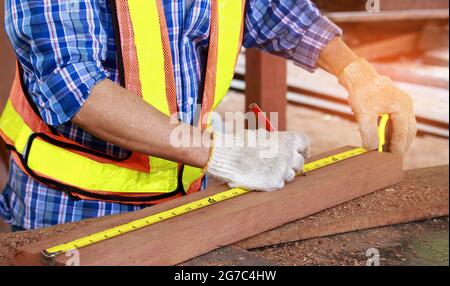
(336, 56)
(116, 115)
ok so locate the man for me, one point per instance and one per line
(88, 123)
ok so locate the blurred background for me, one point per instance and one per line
(407, 40)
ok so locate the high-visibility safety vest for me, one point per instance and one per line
(146, 69)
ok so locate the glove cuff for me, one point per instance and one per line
(222, 163)
(357, 74)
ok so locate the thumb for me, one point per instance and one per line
(368, 127)
(403, 133)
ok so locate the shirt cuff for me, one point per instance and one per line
(316, 38)
(63, 93)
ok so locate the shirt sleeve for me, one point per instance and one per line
(61, 46)
(293, 29)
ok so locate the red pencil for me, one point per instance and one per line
(261, 116)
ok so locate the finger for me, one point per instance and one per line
(368, 127)
(233, 185)
(402, 130)
(412, 131)
(411, 134)
(298, 161)
(272, 188)
(289, 176)
(302, 144)
(279, 186)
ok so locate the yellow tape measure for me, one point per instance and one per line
(51, 253)
(383, 133)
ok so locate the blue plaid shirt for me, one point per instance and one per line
(67, 47)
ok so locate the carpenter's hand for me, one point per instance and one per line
(372, 95)
(257, 160)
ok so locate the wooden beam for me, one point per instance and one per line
(321, 91)
(422, 194)
(397, 46)
(266, 84)
(434, 37)
(413, 4)
(437, 57)
(182, 238)
(416, 73)
(230, 256)
(384, 16)
(360, 5)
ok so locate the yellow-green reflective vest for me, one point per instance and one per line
(146, 69)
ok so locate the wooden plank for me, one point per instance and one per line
(437, 57)
(322, 90)
(344, 111)
(333, 105)
(230, 256)
(431, 104)
(413, 4)
(434, 37)
(345, 225)
(182, 238)
(396, 46)
(416, 73)
(266, 84)
(359, 5)
(422, 194)
(384, 16)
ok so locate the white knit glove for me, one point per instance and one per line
(258, 160)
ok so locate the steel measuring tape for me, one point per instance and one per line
(52, 252)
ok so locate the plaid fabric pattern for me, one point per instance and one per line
(67, 47)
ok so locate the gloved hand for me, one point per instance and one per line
(257, 160)
(372, 95)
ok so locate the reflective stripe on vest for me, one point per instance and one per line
(147, 71)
